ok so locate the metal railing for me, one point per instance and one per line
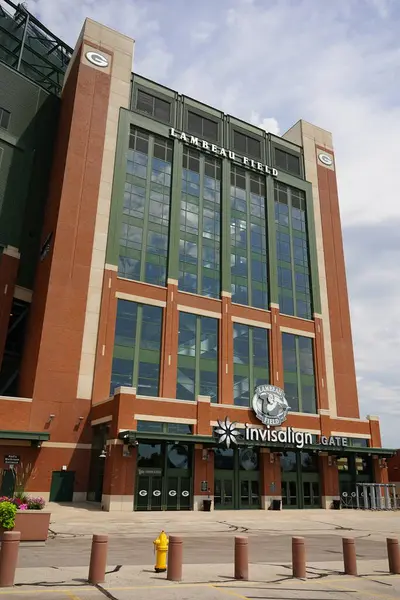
(371, 496)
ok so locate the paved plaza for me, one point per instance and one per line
(59, 569)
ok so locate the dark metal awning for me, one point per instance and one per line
(130, 437)
(32, 436)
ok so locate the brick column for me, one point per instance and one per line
(169, 350)
(270, 478)
(119, 478)
(275, 349)
(105, 343)
(203, 416)
(329, 480)
(203, 470)
(9, 263)
(380, 470)
(319, 363)
(325, 421)
(226, 345)
(375, 430)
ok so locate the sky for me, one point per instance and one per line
(272, 62)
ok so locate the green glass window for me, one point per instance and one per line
(287, 161)
(246, 144)
(145, 219)
(298, 367)
(197, 357)
(137, 346)
(251, 361)
(200, 227)
(248, 239)
(155, 107)
(4, 118)
(199, 125)
(292, 252)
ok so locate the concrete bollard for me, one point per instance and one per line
(241, 558)
(393, 555)
(299, 558)
(349, 556)
(175, 555)
(98, 559)
(9, 557)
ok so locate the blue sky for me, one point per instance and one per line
(271, 62)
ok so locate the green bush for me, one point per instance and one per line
(7, 515)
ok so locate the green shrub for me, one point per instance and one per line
(7, 515)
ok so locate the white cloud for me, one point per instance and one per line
(268, 123)
(202, 31)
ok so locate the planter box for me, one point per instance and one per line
(33, 525)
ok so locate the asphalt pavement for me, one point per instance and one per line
(217, 547)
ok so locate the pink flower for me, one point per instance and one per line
(23, 507)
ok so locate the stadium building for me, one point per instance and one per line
(166, 271)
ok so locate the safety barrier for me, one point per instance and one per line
(98, 558)
(349, 556)
(9, 557)
(241, 558)
(175, 558)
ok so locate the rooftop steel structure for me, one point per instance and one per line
(30, 48)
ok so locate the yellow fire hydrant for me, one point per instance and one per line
(161, 549)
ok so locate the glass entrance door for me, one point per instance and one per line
(249, 493)
(223, 491)
(178, 493)
(149, 492)
(290, 497)
(164, 477)
(311, 494)
(300, 480)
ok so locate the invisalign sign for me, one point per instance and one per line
(219, 151)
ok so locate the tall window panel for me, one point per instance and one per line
(197, 357)
(146, 212)
(137, 346)
(292, 252)
(248, 239)
(251, 361)
(298, 367)
(200, 226)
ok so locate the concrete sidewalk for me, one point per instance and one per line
(85, 519)
(210, 582)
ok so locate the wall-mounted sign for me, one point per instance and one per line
(97, 59)
(192, 140)
(326, 159)
(12, 459)
(271, 408)
(270, 404)
(149, 471)
(204, 486)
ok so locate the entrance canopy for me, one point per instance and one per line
(130, 437)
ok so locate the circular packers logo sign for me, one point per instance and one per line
(97, 59)
(270, 405)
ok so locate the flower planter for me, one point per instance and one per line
(32, 524)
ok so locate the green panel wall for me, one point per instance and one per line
(25, 168)
(128, 118)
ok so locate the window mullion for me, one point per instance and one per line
(248, 251)
(289, 197)
(197, 358)
(251, 364)
(201, 227)
(146, 209)
(135, 376)
(299, 391)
